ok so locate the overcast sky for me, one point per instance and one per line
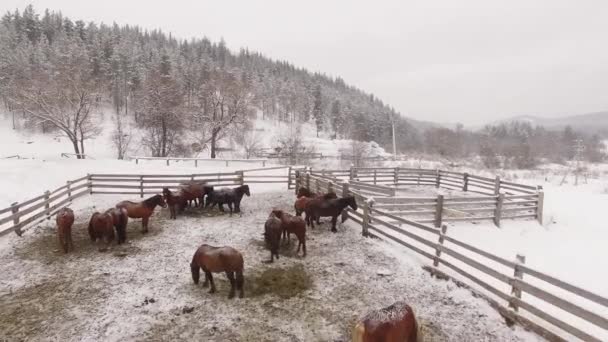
(465, 61)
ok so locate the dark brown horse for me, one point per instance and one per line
(395, 323)
(193, 191)
(175, 201)
(218, 259)
(120, 219)
(302, 201)
(142, 210)
(272, 235)
(101, 227)
(292, 224)
(319, 207)
(65, 220)
(227, 196)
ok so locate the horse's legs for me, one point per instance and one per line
(144, 224)
(230, 207)
(237, 206)
(221, 206)
(333, 223)
(62, 240)
(239, 283)
(206, 282)
(230, 276)
(70, 242)
(210, 276)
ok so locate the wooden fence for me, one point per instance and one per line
(553, 308)
(196, 160)
(21, 216)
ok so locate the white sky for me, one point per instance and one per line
(465, 61)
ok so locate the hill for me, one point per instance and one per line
(590, 123)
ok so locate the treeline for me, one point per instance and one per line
(514, 145)
(187, 95)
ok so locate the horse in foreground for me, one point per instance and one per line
(227, 196)
(101, 227)
(65, 220)
(120, 219)
(306, 197)
(143, 209)
(319, 207)
(218, 259)
(272, 235)
(292, 224)
(395, 323)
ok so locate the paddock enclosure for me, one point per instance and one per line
(146, 286)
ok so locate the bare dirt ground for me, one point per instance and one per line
(143, 291)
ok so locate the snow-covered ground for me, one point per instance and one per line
(139, 291)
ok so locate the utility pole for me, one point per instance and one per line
(579, 147)
(394, 141)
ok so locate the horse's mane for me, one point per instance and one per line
(390, 313)
(152, 201)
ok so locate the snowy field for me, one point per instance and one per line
(142, 291)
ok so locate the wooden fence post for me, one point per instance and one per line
(375, 176)
(539, 206)
(47, 204)
(136, 161)
(308, 180)
(195, 162)
(351, 176)
(438, 180)
(345, 188)
(444, 229)
(330, 186)
(465, 182)
(518, 274)
(263, 163)
(289, 178)
(396, 180)
(497, 185)
(241, 177)
(226, 163)
(498, 211)
(69, 185)
(317, 185)
(15, 210)
(298, 176)
(141, 186)
(90, 183)
(439, 211)
(167, 161)
(366, 219)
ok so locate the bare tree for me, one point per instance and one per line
(251, 142)
(291, 146)
(359, 151)
(121, 137)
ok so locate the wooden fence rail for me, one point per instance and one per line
(196, 160)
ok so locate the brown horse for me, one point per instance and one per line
(65, 220)
(120, 219)
(175, 201)
(101, 227)
(193, 191)
(272, 235)
(218, 259)
(292, 224)
(302, 201)
(142, 210)
(395, 323)
(319, 207)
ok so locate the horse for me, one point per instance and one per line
(142, 210)
(101, 227)
(292, 224)
(319, 207)
(193, 191)
(120, 219)
(218, 259)
(395, 323)
(302, 201)
(175, 202)
(305, 192)
(65, 220)
(272, 235)
(227, 196)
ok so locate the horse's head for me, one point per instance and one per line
(351, 202)
(158, 200)
(166, 193)
(207, 189)
(330, 195)
(277, 213)
(244, 189)
(303, 192)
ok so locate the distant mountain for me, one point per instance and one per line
(591, 123)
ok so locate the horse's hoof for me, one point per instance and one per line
(212, 290)
(241, 295)
(231, 295)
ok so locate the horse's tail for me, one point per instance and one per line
(359, 332)
(121, 225)
(239, 280)
(196, 271)
(91, 228)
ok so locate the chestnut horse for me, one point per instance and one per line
(395, 323)
(227, 196)
(175, 202)
(193, 191)
(292, 224)
(120, 219)
(272, 235)
(65, 220)
(142, 210)
(302, 201)
(218, 259)
(101, 227)
(320, 207)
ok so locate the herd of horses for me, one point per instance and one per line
(393, 323)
